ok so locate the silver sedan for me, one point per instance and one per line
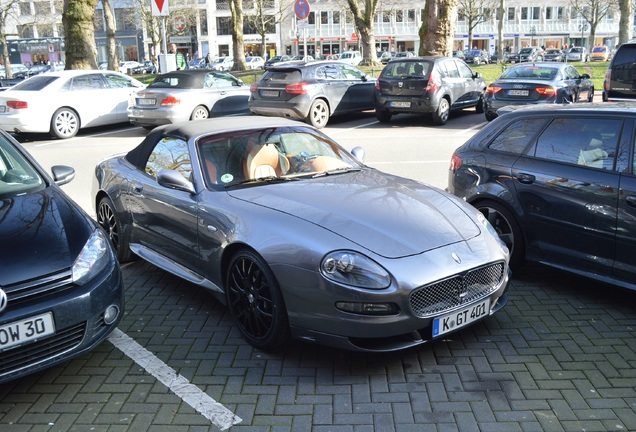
(299, 238)
(192, 94)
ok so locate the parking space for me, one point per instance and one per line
(559, 357)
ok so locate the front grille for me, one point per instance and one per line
(35, 289)
(450, 293)
(36, 352)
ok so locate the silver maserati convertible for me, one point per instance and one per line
(300, 239)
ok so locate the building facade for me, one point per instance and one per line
(199, 27)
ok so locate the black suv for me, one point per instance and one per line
(558, 184)
(620, 78)
(430, 85)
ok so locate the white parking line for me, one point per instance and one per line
(220, 416)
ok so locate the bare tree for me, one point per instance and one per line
(8, 10)
(501, 10)
(475, 12)
(236, 29)
(79, 34)
(625, 26)
(111, 41)
(438, 27)
(363, 17)
(264, 17)
(593, 11)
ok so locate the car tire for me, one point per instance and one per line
(110, 223)
(199, 113)
(255, 301)
(65, 123)
(590, 95)
(481, 105)
(383, 116)
(440, 116)
(318, 114)
(506, 227)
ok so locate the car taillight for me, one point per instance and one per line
(170, 100)
(254, 88)
(546, 91)
(16, 104)
(456, 162)
(377, 85)
(297, 88)
(433, 82)
(491, 89)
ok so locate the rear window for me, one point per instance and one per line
(281, 76)
(35, 83)
(399, 69)
(626, 54)
(530, 72)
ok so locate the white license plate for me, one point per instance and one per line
(269, 93)
(146, 101)
(20, 332)
(400, 104)
(518, 92)
(461, 318)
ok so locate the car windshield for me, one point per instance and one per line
(530, 72)
(17, 176)
(552, 51)
(525, 51)
(576, 50)
(269, 155)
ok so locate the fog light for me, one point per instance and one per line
(368, 308)
(110, 314)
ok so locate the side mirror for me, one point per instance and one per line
(174, 180)
(62, 174)
(585, 76)
(358, 153)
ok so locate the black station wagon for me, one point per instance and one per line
(558, 183)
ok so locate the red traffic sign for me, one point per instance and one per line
(301, 8)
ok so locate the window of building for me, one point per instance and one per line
(25, 31)
(336, 17)
(530, 13)
(324, 17)
(311, 19)
(386, 16)
(554, 13)
(25, 8)
(125, 19)
(98, 20)
(204, 23)
(511, 14)
(42, 8)
(223, 25)
(45, 30)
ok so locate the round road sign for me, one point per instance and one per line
(301, 8)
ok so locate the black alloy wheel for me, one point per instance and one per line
(107, 219)
(506, 227)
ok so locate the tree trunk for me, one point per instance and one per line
(238, 50)
(79, 34)
(111, 42)
(364, 25)
(438, 28)
(625, 24)
(500, 24)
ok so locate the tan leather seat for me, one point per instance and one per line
(265, 161)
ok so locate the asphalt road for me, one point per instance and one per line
(560, 357)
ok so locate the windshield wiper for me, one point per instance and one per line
(336, 171)
(270, 179)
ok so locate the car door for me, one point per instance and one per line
(120, 89)
(466, 91)
(333, 85)
(625, 263)
(359, 89)
(226, 95)
(568, 189)
(165, 220)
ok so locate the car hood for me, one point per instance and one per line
(390, 216)
(42, 233)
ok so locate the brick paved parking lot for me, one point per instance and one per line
(560, 357)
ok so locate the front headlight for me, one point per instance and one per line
(93, 258)
(352, 268)
(486, 224)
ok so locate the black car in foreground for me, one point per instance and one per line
(311, 91)
(61, 289)
(538, 83)
(427, 85)
(558, 183)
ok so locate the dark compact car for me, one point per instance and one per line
(476, 56)
(32, 71)
(620, 79)
(61, 289)
(531, 54)
(558, 183)
(300, 239)
(191, 94)
(555, 55)
(427, 85)
(146, 67)
(538, 83)
(312, 92)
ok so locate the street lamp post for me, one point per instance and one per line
(533, 32)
